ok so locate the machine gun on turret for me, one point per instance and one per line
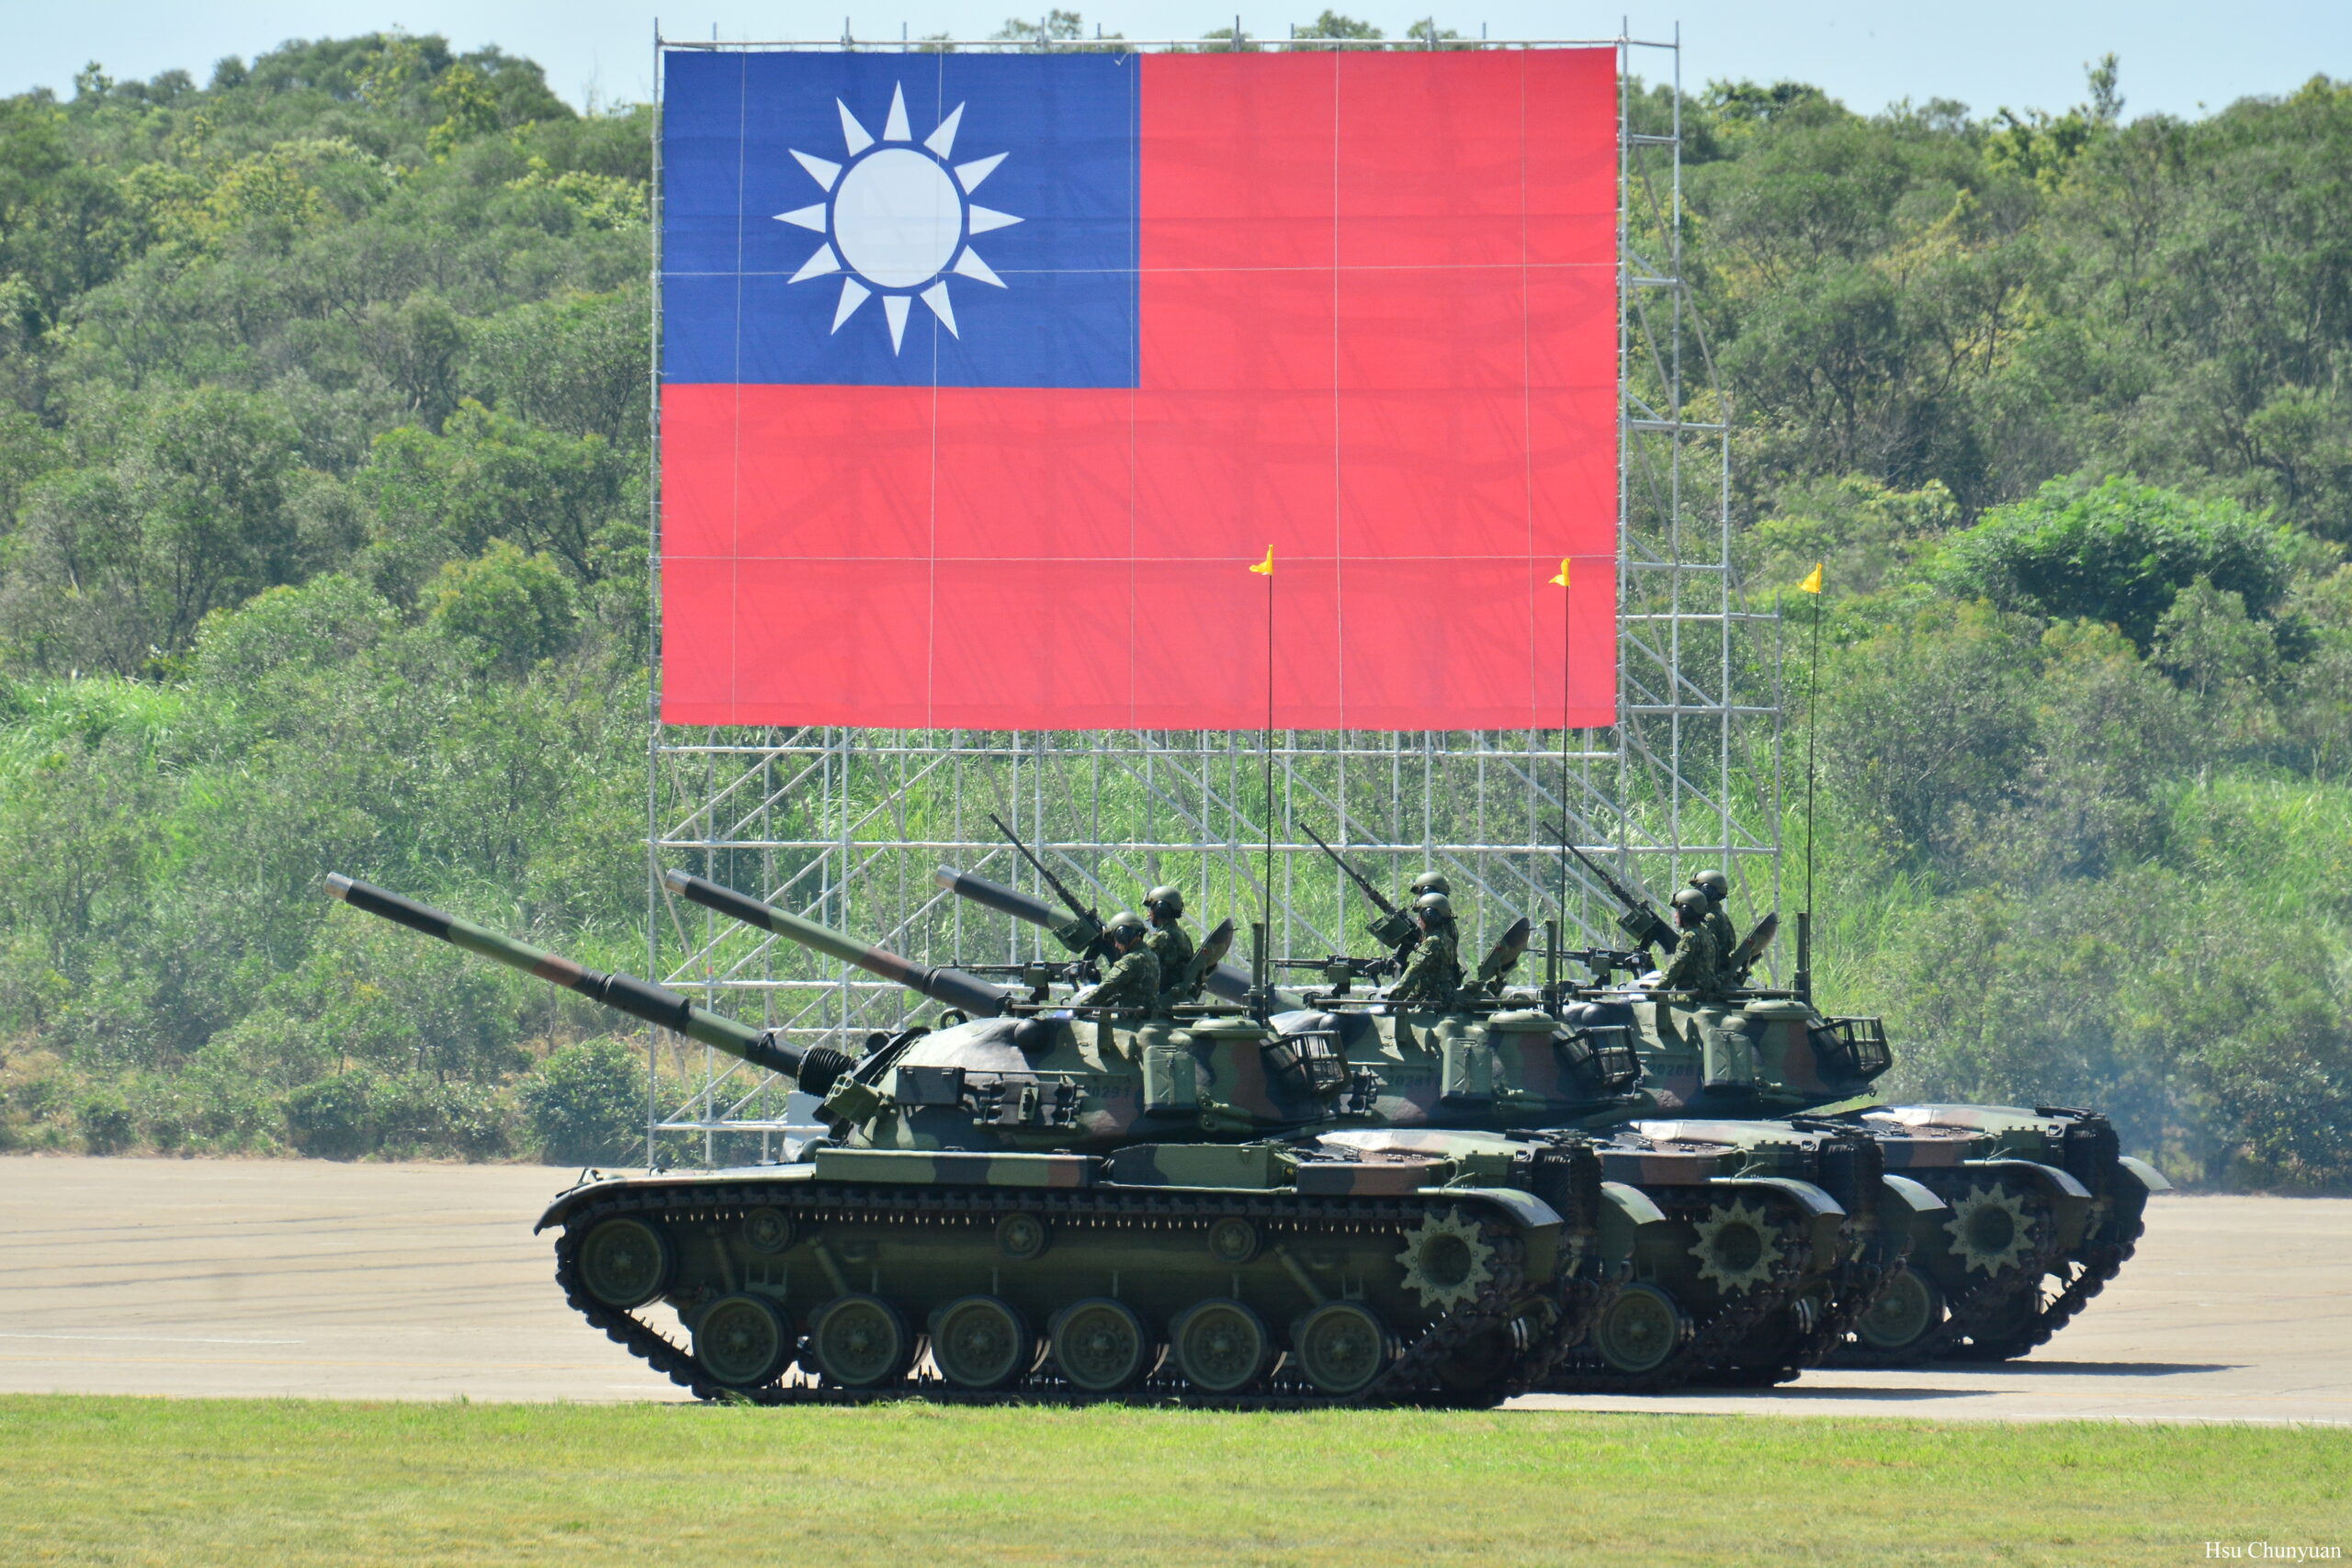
(1602, 961)
(1083, 932)
(1339, 971)
(1395, 929)
(1641, 920)
(1226, 981)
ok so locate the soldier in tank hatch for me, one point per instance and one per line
(1167, 938)
(1134, 980)
(1717, 888)
(1696, 963)
(1435, 972)
(1400, 930)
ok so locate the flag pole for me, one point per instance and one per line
(1267, 897)
(1812, 727)
(1263, 964)
(1568, 604)
(1812, 584)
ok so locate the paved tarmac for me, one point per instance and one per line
(410, 1282)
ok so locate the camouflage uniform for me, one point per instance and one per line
(1133, 982)
(1172, 948)
(1433, 974)
(1694, 966)
(1726, 940)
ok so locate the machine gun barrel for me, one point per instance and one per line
(1640, 920)
(953, 988)
(1226, 981)
(1396, 929)
(1082, 932)
(813, 1067)
(1379, 900)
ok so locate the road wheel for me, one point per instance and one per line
(741, 1341)
(1220, 1345)
(625, 1262)
(1341, 1346)
(1100, 1346)
(859, 1342)
(1638, 1331)
(1911, 1307)
(980, 1342)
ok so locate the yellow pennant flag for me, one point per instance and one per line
(1562, 580)
(1266, 568)
(1812, 584)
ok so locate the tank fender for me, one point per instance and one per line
(599, 1182)
(1825, 1219)
(1913, 1196)
(560, 1209)
(1813, 1200)
(1625, 1209)
(2148, 1175)
(1632, 1204)
(2069, 1200)
(1524, 1210)
(1911, 1209)
(1538, 1222)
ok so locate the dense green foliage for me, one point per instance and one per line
(322, 459)
(321, 544)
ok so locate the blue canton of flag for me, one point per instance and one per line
(900, 219)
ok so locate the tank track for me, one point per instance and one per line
(2098, 1264)
(1585, 1372)
(1585, 1290)
(1979, 1308)
(1413, 1378)
(1855, 1288)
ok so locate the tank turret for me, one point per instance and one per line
(1090, 1076)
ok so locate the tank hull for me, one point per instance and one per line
(1304, 1276)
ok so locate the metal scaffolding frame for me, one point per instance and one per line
(846, 826)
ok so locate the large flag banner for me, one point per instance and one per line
(986, 379)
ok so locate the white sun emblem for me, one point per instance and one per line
(898, 218)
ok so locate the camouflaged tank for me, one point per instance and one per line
(1745, 1268)
(1031, 1203)
(2039, 1209)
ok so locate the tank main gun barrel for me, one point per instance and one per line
(952, 987)
(1224, 980)
(813, 1067)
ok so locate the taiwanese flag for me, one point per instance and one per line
(986, 378)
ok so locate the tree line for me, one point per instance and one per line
(322, 467)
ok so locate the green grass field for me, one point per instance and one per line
(252, 1483)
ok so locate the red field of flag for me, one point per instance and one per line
(1376, 324)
